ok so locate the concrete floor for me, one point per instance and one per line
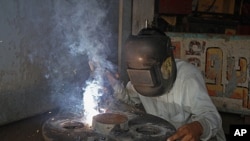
(25, 130)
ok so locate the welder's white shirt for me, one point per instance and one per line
(186, 102)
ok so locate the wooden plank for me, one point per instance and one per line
(124, 30)
(230, 105)
(142, 10)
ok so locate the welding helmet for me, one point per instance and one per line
(150, 63)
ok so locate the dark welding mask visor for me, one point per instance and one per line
(145, 54)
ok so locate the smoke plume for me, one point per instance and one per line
(63, 36)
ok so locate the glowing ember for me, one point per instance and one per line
(90, 100)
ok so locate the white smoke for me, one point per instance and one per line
(63, 36)
(86, 32)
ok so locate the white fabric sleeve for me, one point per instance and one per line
(202, 108)
(127, 95)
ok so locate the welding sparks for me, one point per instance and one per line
(91, 95)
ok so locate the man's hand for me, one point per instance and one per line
(113, 78)
(188, 132)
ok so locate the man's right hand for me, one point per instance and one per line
(189, 132)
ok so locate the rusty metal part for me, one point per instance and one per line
(111, 118)
(106, 122)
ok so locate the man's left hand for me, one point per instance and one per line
(188, 132)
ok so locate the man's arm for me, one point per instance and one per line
(205, 119)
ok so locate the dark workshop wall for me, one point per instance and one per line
(45, 46)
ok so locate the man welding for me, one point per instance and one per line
(168, 88)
